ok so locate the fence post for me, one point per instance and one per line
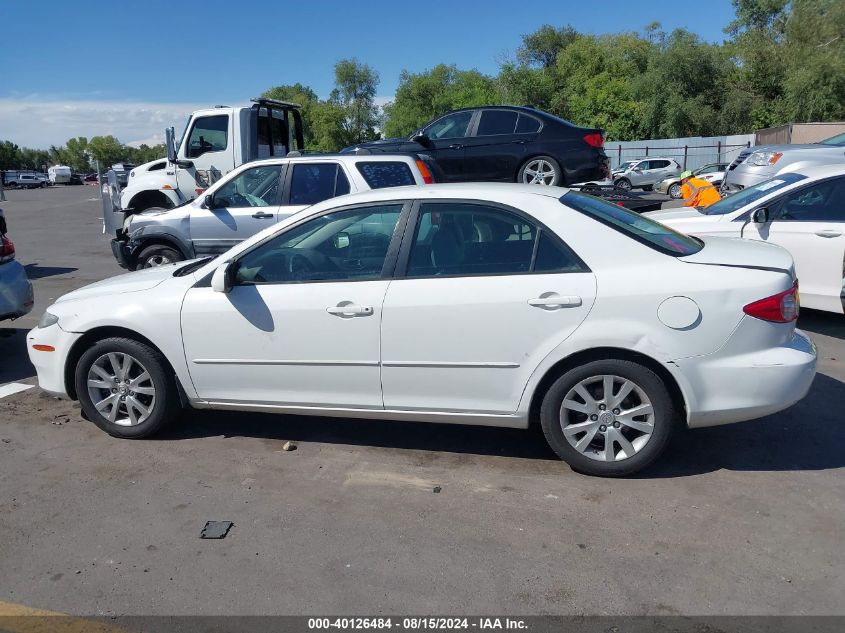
(719, 152)
(685, 157)
(646, 150)
(620, 155)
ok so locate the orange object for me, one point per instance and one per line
(44, 348)
(698, 192)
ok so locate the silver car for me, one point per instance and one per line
(644, 173)
(756, 164)
(16, 296)
(712, 172)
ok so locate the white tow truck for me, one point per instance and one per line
(215, 141)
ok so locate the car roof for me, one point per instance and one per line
(342, 158)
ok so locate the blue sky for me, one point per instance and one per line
(131, 68)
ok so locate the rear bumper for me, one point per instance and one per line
(738, 387)
(16, 296)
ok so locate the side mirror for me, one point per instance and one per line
(221, 280)
(422, 139)
(341, 240)
(208, 201)
(170, 144)
(760, 216)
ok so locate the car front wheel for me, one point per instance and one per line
(125, 388)
(540, 170)
(622, 183)
(157, 255)
(609, 418)
(674, 191)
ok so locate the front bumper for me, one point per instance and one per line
(122, 253)
(16, 295)
(732, 388)
(50, 365)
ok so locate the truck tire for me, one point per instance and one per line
(157, 255)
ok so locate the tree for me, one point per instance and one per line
(10, 155)
(107, 150)
(309, 102)
(355, 91)
(541, 47)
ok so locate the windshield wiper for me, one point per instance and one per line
(189, 268)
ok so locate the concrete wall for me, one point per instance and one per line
(695, 151)
(798, 133)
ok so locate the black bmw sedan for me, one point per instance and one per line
(505, 143)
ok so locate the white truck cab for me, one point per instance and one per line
(215, 141)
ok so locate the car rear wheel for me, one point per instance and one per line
(158, 255)
(674, 191)
(622, 183)
(540, 170)
(608, 418)
(125, 388)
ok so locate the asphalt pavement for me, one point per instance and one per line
(370, 517)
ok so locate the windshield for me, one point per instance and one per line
(635, 226)
(190, 267)
(625, 165)
(839, 139)
(751, 194)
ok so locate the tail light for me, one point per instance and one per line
(7, 249)
(426, 174)
(780, 308)
(594, 140)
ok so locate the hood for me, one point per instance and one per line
(837, 149)
(130, 282)
(666, 215)
(742, 253)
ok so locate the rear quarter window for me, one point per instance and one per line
(382, 174)
(652, 234)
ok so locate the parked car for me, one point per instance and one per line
(247, 200)
(29, 180)
(507, 144)
(75, 179)
(803, 212)
(644, 173)
(756, 164)
(92, 177)
(471, 304)
(16, 298)
(712, 172)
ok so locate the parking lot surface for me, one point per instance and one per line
(369, 517)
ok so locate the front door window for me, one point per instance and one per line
(256, 187)
(209, 134)
(450, 126)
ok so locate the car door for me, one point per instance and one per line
(239, 209)
(447, 137)
(308, 183)
(810, 224)
(657, 170)
(495, 150)
(300, 326)
(638, 173)
(209, 154)
(480, 297)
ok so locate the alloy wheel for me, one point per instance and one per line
(156, 260)
(121, 389)
(607, 418)
(539, 172)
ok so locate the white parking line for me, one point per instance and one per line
(12, 388)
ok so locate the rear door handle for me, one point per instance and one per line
(263, 216)
(349, 309)
(456, 146)
(828, 233)
(519, 142)
(555, 301)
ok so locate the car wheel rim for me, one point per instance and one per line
(674, 191)
(157, 260)
(121, 389)
(607, 418)
(623, 184)
(539, 172)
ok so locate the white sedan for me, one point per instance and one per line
(803, 212)
(478, 304)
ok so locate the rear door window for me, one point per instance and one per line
(527, 124)
(379, 175)
(494, 122)
(315, 182)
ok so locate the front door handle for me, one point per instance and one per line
(456, 146)
(348, 309)
(519, 141)
(552, 301)
(263, 216)
(828, 233)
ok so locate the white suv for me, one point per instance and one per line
(644, 172)
(251, 198)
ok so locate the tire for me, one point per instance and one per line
(646, 438)
(674, 191)
(540, 170)
(157, 255)
(144, 398)
(622, 183)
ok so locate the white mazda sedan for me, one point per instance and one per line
(470, 304)
(802, 211)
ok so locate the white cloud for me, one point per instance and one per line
(33, 122)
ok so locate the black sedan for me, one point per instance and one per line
(505, 143)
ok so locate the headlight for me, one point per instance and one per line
(762, 159)
(47, 320)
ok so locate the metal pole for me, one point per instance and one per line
(685, 157)
(719, 152)
(646, 150)
(619, 161)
